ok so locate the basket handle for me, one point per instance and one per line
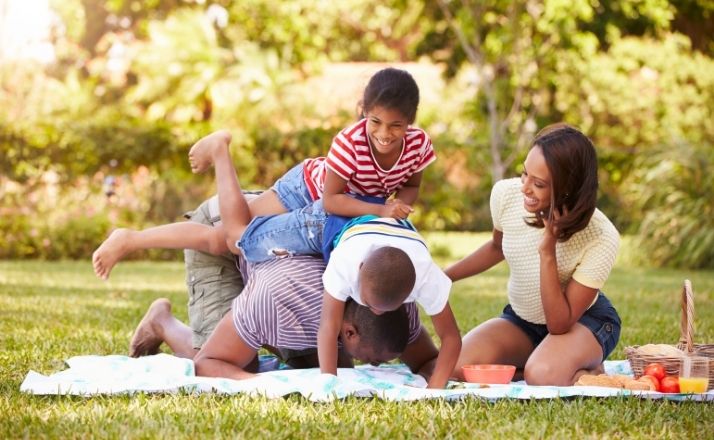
(686, 329)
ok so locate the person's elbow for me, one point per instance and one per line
(329, 203)
(202, 365)
(455, 342)
(558, 328)
(451, 338)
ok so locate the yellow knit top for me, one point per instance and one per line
(587, 257)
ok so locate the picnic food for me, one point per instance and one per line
(693, 384)
(670, 356)
(616, 381)
(655, 369)
(653, 380)
(669, 384)
(659, 350)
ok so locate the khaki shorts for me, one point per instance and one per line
(213, 281)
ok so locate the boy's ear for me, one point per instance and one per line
(349, 331)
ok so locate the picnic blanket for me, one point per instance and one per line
(163, 373)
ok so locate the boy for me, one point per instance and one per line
(382, 263)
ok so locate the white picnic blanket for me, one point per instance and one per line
(163, 373)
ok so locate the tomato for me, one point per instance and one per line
(656, 370)
(669, 384)
(653, 380)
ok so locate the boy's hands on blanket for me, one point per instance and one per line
(324, 387)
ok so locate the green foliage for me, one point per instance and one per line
(136, 83)
(313, 31)
(78, 148)
(673, 190)
(634, 98)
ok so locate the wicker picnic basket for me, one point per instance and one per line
(671, 364)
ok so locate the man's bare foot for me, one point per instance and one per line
(201, 155)
(146, 339)
(110, 252)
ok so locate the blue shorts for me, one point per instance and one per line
(296, 232)
(601, 318)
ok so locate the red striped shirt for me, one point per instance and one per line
(350, 156)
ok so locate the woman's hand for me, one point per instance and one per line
(551, 231)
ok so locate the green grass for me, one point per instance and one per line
(52, 311)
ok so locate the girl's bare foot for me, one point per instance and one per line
(110, 252)
(147, 338)
(201, 155)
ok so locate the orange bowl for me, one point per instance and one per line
(488, 373)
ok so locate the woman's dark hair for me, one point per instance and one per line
(393, 89)
(572, 162)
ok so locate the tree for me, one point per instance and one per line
(514, 48)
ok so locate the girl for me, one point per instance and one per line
(560, 250)
(381, 156)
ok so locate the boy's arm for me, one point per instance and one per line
(410, 191)
(420, 355)
(225, 353)
(448, 332)
(330, 321)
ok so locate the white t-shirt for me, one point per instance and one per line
(587, 257)
(432, 286)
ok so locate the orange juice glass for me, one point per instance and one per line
(694, 374)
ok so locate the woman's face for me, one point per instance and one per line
(536, 181)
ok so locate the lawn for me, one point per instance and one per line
(51, 311)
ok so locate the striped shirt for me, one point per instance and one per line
(281, 303)
(350, 157)
(431, 287)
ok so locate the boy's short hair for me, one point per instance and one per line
(388, 332)
(388, 275)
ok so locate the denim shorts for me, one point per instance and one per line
(296, 232)
(601, 319)
(292, 190)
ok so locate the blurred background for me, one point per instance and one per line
(101, 100)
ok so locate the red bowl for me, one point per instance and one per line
(488, 373)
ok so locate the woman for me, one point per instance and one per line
(560, 249)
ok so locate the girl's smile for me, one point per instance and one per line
(386, 129)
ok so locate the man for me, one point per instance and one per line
(279, 310)
(212, 281)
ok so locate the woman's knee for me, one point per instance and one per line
(548, 372)
(539, 373)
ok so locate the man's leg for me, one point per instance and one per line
(213, 281)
